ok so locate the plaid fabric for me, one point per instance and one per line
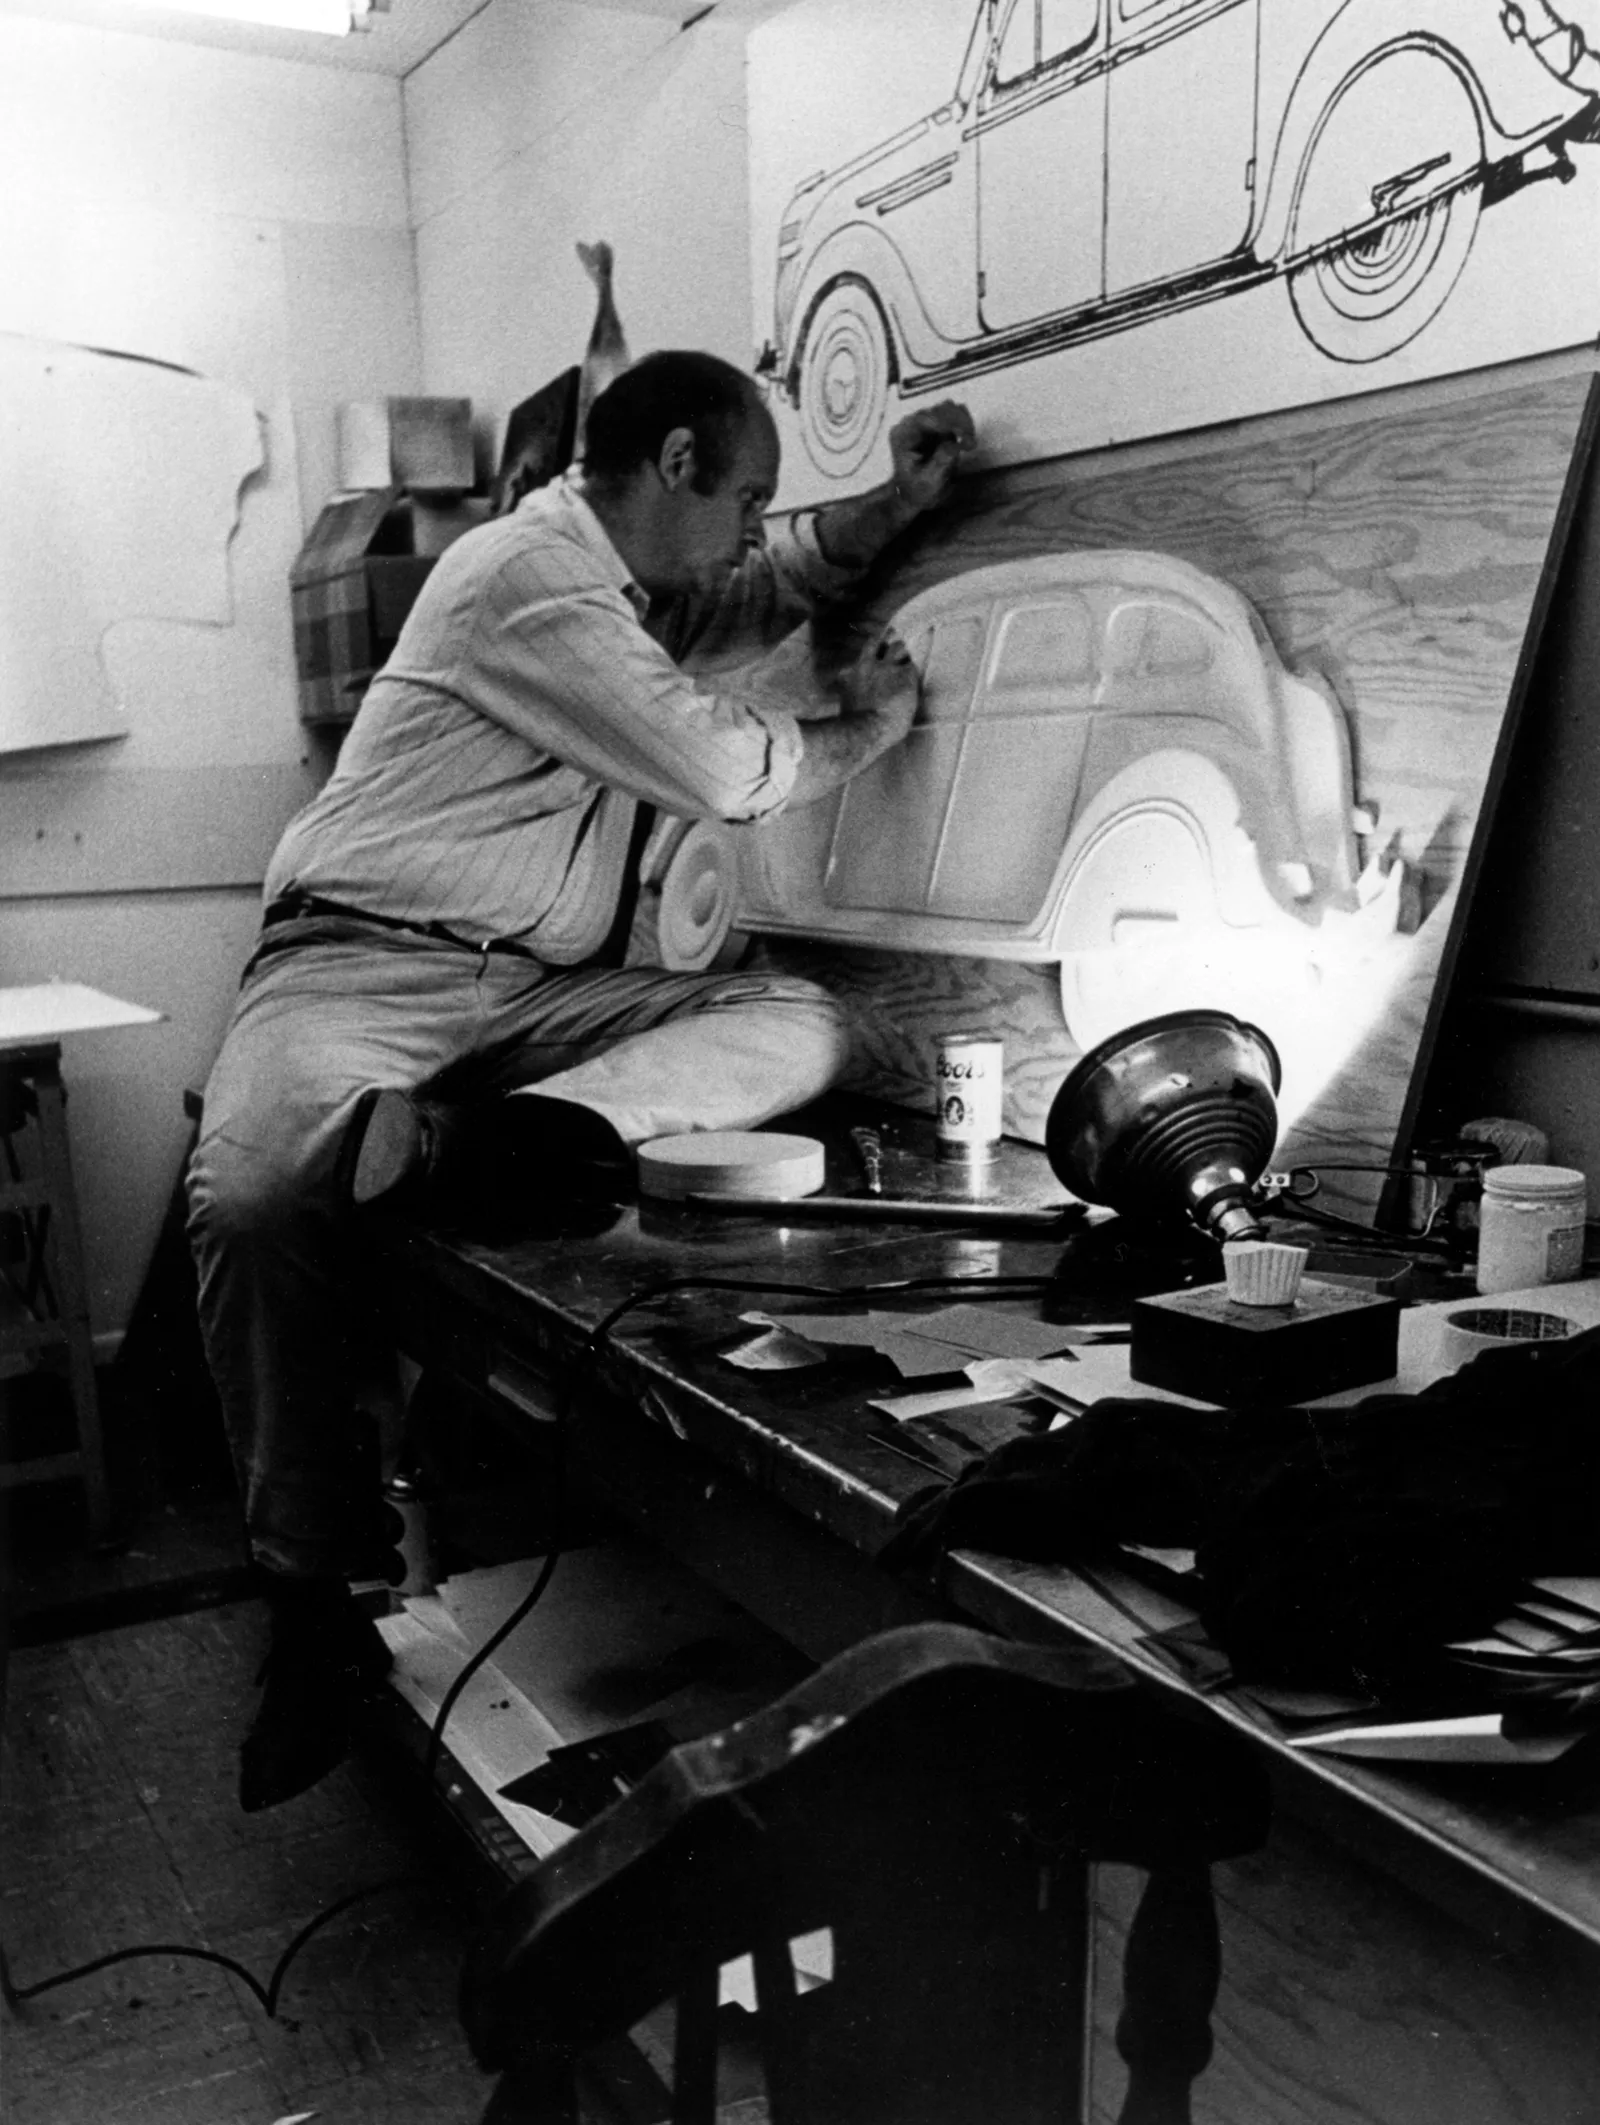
(348, 605)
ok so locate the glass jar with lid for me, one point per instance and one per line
(1530, 1226)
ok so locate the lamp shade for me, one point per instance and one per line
(1172, 1117)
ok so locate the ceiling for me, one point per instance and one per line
(394, 43)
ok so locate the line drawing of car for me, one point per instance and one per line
(1346, 146)
(1111, 768)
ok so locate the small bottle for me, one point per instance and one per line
(412, 1500)
(1530, 1226)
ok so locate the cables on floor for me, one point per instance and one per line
(578, 1372)
(267, 1995)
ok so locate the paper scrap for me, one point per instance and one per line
(987, 1331)
(1532, 1637)
(1581, 1593)
(1057, 1379)
(1575, 1622)
(988, 1380)
(913, 1356)
(853, 1330)
(916, 1358)
(1479, 1737)
(1178, 1561)
(495, 1731)
(775, 1350)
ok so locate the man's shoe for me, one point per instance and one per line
(511, 1151)
(324, 1656)
(395, 1148)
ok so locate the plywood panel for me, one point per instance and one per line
(1346, 2001)
(1394, 551)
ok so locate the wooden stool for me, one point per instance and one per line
(45, 1299)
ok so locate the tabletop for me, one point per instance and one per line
(533, 1287)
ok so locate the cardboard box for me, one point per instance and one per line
(354, 581)
(422, 445)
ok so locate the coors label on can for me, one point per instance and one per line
(968, 1088)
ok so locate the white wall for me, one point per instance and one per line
(543, 124)
(246, 218)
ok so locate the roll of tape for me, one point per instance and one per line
(1476, 1328)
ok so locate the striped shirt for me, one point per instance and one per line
(490, 777)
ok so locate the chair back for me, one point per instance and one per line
(935, 1798)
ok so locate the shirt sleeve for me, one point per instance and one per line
(565, 663)
(777, 589)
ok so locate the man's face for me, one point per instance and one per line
(712, 533)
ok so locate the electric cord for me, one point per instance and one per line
(584, 1361)
(1286, 1199)
(267, 1995)
(583, 1364)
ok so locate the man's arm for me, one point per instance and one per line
(811, 564)
(926, 449)
(878, 703)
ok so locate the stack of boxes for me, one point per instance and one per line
(405, 466)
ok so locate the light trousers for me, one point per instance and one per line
(330, 1008)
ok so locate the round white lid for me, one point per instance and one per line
(731, 1162)
(1532, 1180)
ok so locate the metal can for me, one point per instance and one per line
(968, 1092)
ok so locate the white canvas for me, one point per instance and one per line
(1096, 220)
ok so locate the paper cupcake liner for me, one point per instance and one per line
(1262, 1272)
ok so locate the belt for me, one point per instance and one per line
(293, 907)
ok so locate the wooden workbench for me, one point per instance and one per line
(1415, 1946)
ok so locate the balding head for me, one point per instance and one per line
(631, 420)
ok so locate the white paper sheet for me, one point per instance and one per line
(46, 1010)
(896, 231)
(123, 478)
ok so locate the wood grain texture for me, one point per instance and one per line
(1395, 551)
(1345, 2001)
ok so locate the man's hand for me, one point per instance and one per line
(878, 700)
(883, 684)
(926, 450)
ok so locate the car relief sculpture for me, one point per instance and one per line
(1111, 770)
(1345, 147)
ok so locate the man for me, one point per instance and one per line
(442, 923)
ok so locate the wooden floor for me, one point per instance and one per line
(119, 1827)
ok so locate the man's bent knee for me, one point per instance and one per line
(240, 1191)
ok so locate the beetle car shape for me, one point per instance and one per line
(1105, 162)
(1110, 766)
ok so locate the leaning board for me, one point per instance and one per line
(1395, 549)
